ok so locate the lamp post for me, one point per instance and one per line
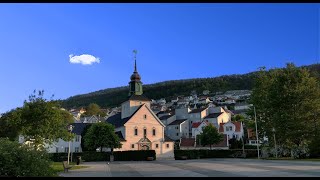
(255, 120)
(275, 142)
(243, 141)
(70, 127)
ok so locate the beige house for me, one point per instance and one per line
(138, 126)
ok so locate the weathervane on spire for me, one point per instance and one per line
(135, 60)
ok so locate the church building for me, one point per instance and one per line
(137, 125)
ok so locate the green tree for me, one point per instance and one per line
(288, 100)
(20, 160)
(238, 117)
(101, 135)
(210, 136)
(39, 120)
(94, 109)
(9, 123)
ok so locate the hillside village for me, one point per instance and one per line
(181, 118)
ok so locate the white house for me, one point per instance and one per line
(242, 106)
(204, 100)
(178, 129)
(92, 119)
(232, 130)
(167, 119)
(175, 99)
(217, 115)
(196, 115)
(161, 101)
(61, 145)
(197, 127)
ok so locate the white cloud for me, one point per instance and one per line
(85, 59)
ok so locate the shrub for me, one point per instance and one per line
(206, 153)
(138, 155)
(19, 160)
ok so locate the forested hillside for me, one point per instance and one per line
(112, 97)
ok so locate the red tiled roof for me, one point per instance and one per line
(187, 142)
(196, 124)
(236, 124)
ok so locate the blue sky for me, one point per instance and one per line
(174, 41)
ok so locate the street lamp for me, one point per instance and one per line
(70, 127)
(243, 140)
(255, 119)
(275, 143)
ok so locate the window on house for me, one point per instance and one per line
(177, 127)
(145, 116)
(66, 149)
(77, 138)
(57, 149)
(153, 131)
(177, 134)
(157, 145)
(76, 149)
(132, 146)
(229, 128)
(144, 132)
(167, 145)
(136, 131)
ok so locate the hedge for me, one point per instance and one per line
(105, 156)
(206, 153)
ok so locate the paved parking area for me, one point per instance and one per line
(199, 168)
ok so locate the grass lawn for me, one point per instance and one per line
(58, 167)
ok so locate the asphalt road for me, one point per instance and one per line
(199, 168)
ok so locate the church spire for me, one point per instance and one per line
(135, 85)
(135, 60)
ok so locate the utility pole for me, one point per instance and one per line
(255, 119)
(275, 142)
(243, 127)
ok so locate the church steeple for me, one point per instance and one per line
(135, 85)
(135, 60)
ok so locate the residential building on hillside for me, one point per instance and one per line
(232, 130)
(178, 129)
(242, 106)
(197, 127)
(196, 115)
(91, 119)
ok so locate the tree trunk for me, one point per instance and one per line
(100, 148)
(210, 146)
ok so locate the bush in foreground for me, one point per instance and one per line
(19, 160)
